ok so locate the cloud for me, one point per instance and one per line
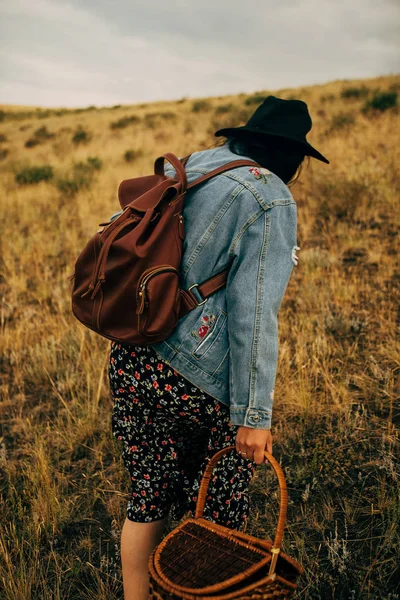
(120, 51)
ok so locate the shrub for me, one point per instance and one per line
(68, 187)
(200, 105)
(81, 136)
(3, 153)
(31, 142)
(151, 122)
(223, 109)
(152, 119)
(28, 114)
(43, 114)
(39, 136)
(42, 133)
(381, 101)
(61, 112)
(95, 162)
(131, 155)
(2, 138)
(354, 92)
(325, 98)
(81, 176)
(31, 175)
(81, 110)
(124, 122)
(255, 99)
(86, 168)
(167, 115)
(341, 121)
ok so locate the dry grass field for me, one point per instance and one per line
(336, 413)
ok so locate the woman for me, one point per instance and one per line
(210, 384)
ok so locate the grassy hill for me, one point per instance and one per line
(336, 411)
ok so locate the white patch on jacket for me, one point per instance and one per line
(294, 257)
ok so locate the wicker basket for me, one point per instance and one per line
(202, 559)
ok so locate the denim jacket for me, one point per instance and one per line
(246, 219)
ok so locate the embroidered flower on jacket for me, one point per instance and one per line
(207, 321)
(203, 330)
(260, 173)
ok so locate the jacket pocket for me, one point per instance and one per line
(212, 336)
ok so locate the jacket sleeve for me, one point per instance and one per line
(263, 260)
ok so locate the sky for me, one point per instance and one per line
(80, 53)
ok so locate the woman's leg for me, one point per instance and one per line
(138, 540)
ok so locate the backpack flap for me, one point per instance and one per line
(135, 191)
(132, 190)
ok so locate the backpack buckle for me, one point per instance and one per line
(198, 303)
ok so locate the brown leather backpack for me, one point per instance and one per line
(126, 279)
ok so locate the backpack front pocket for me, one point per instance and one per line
(157, 300)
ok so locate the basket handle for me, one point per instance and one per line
(283, 497)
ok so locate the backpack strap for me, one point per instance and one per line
(227, 167)
(208, 287)
(179, 166)
(185, 159)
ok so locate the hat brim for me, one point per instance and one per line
(248, 132)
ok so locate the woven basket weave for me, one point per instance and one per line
(202, 559)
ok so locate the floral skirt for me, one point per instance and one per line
(169, 429)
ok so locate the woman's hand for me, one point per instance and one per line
(251, 443)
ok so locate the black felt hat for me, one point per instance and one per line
(287, 120)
